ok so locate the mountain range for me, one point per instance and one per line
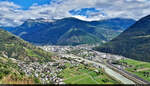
(70, 31)
(133, 43)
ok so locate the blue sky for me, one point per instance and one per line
(85, 12)
(25, 4)
(15, 12)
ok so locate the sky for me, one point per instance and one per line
(15, 12)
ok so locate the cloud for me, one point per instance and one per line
(8, 13)
(12, 14)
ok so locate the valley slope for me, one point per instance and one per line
(133, 43)
(14, 50)
(14, 47)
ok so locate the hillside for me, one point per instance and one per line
(133, 43)
(75, 36)
(10, 73)
(14, 47)
(41, 31)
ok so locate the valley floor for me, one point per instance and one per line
(78, 65)
(82, 74)
(85, 55)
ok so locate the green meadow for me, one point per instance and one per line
(82, 74)
(139, 68)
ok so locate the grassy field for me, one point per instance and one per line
(141, 69)
(85, 75)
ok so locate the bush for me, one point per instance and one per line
(36, 80)
(1, 76)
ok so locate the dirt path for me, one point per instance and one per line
(143, 69)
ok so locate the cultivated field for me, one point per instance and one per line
(82, 74)
(141, 69)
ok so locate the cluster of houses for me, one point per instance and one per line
(83, 51)
(45, 72)
(64, 49)
(58, 49)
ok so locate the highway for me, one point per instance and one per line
(108, 70)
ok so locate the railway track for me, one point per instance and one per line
(126, 74)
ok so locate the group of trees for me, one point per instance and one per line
(4, 72)
(146, 74)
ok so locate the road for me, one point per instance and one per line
(108, 70)
(121, 75)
